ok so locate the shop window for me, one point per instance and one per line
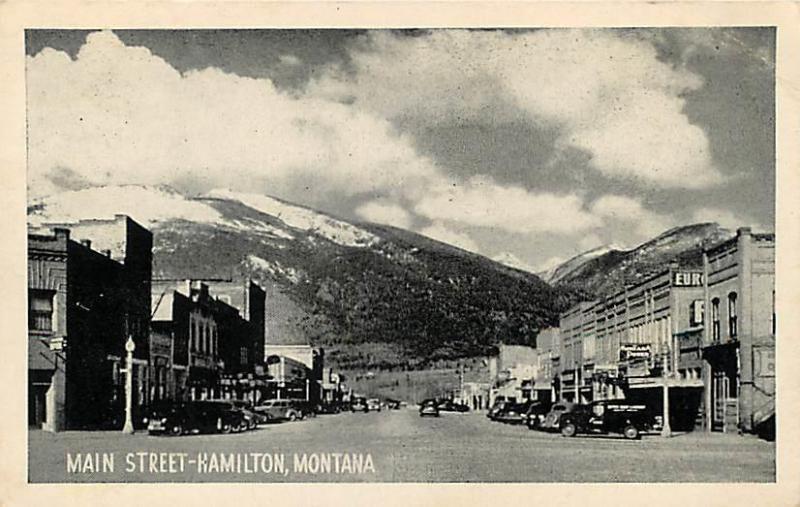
(40, 310)
(732, 322)
(715, 319)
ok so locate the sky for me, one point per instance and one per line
(528, 146)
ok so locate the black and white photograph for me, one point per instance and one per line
(401, 255)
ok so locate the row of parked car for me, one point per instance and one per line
(228, 416)
(604, 416)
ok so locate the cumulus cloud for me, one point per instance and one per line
(646, 223)
(441, 232)
(606, 93)
(385, 213)
(480, 202)
(119, 114)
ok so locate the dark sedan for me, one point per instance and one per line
(451, 406)
(429, 408)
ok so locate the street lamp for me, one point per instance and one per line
(130, 346)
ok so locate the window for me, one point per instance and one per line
(732, 323)
(696, 313)
(40, 310)
(715, 319)
(243, 355)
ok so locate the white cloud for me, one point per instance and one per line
(119, 114)
(385, 213)
(725, 218)
(441, 232)
(623, 209)
(608, 94)
(290, 60)
(480, 202)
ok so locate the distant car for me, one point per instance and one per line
(452, 406)
(329, 407)
(393, 404)
(495, 409)
(359, 405)
(608, 416)
(306, 408)
(374, 404)
(251, 419)
(279, 410)
(552, 420)
(429, 408)
(512, 413)
(537, 411)
(183, 418)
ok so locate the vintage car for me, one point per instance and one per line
(496, 408)
(609, 416)
(329, 407)
(182, 418)
(429, 408)
(279, 410)
(373, 405)
(393, 404)
(359, 404)
(536, 413)
(452, 406)
(552, 421)
(512, 413)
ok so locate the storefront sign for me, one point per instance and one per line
(635, 351)
(687, 279)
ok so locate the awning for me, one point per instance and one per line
(651, 382)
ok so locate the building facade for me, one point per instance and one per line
(83, 304)
(738, 345)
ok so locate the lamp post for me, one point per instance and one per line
(130, 346)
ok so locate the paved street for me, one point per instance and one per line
(399, 446)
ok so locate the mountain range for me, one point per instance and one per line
(372, 296)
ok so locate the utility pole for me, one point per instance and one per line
(130, 346)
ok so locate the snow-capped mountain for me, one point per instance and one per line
(371, 295)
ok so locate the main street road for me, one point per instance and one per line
(399, 446)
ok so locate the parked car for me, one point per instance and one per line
(609, 416)
(359, 405)
(279, 410)
(306, 408)
(537, 411)
(496, 407)
(374, 404)
(393, 404)
(329, 407)
(429, 408)
(552, 420)
(182, 418)
(512, 413)
(250, 418)
(452, 406)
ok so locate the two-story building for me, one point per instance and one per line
(738, 345)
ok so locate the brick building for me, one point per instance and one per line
(216, 351)
(738, 346)
(83, 304)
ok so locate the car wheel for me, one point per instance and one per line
(631, 432)
(176, 430)
(292, 417)
(569, 429)
(533, 424)
(224, 427)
